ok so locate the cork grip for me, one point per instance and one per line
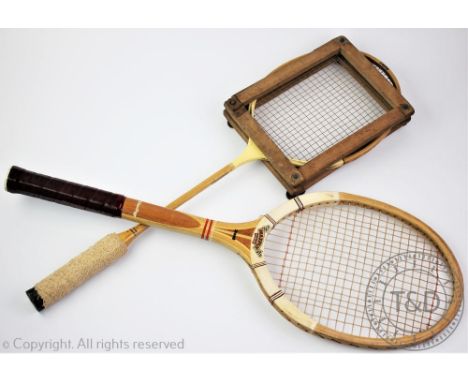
(78, 270)
(21, 181)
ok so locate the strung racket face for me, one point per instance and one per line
(319, 111)
(356, 270)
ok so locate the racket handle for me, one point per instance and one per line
(78, 270)
(21, 181)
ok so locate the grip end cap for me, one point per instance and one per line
(35, 299)
(10, 181)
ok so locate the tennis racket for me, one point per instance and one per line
(113, 246)
(342, 266)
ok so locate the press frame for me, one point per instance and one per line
(297, 179)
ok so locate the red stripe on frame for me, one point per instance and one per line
(204, 228)
(208, 230)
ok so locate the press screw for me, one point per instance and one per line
(232, 101)
(295, 176)
(405, 106)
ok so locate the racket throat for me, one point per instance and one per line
(251, 153)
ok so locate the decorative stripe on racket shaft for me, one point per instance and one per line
(21, 181)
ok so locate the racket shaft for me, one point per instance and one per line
(150, 214)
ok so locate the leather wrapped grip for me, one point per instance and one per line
(21, 181)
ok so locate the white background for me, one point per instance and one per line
(140, 112)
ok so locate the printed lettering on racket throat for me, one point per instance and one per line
(258, 240)
(407, 294)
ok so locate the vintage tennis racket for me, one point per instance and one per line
(347, 101)
(342, 266)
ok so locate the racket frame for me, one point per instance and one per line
(248, 240)
(297, 179)
(284, 306)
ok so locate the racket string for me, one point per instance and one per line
(324, 257)
(316, 113)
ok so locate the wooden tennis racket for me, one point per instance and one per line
(342, 266)
(113, 246)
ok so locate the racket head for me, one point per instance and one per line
(386, 72)
(319, 109)
(358, 286)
